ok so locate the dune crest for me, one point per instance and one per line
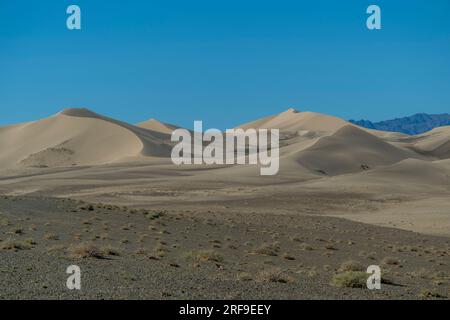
(320, 144)
(292, 120)
(80, 112)
(349, 149)
(435, 143)
(77, 137)
(155, 125)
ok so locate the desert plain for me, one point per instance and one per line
(81, 188)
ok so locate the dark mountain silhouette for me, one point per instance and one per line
(415, 124)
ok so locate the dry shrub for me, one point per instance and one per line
(274, 275)
(205, 255)
(12, 244)
(86, 250)
(270, 249)
(350, 279)
(351, 265)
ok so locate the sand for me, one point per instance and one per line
(337, 184)
(77, 137)
(155, 125)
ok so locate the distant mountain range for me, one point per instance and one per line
(415, 124)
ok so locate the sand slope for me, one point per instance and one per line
(418, 171)
(331, 146)
(434, 143)
(311, 143)
(349, 149)
(77, 137)
(292, 120)
(157, 126)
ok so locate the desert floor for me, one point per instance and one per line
(152, 230)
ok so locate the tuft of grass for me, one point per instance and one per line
(86, 250)
(351, 265)
(110, 251)
(141, 251)
(11, 244)
(56, 249)
(330, 247)
(430, 294)
(4, 222)
(306, 247)
(17, 231)
(50, 236)
(159, 250)
(440, 275)
(30, 241)
(270, 249)
(127, 227)
(287, 256)
(155, 215)
(244, 276)
(204, 255)
(296, 239)
(85, 207)
(274, 275)
(350, 279)
(390, 261)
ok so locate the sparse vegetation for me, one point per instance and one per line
(350, 279)
(306, 247)
(110, 251)
(330, 247)
(155, 214)
(390, 261)
(4, 222)
(430, 294)
(271, 249)
(274, 275)
(244, 276)
(30, 241)
(205, 255)
(51, 236)
(351, 265)
(159, 250)
(17, 231)
(86, 250)
(12, 244)
(287, 256)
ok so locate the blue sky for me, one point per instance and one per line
(223, 62)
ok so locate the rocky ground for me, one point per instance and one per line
(129, 253)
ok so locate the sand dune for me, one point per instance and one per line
(349, 149)
(292, 120)
(386, 178)
(155, 125)
(434, 143)
(321, 144)
(77, 137)
(417, 171)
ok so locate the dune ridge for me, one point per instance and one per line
(293, 120)
(77, 137)
(310, 143)
(157, 126)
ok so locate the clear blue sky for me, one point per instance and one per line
(223, 62)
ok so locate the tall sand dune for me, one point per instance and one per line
(434, 143)
(320, 144)
(349, 149)
(77, 137)
(158, 126)
(292, 120)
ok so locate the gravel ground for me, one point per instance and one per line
(128, 253)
